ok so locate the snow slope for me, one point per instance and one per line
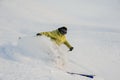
(27, 59)
(96, 47)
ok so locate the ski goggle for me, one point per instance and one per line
(63, 31)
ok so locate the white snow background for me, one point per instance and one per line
(93, 31)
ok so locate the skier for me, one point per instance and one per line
(58, 36)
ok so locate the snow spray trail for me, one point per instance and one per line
(36, 48)
(42, 48)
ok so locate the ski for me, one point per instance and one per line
(86, 75)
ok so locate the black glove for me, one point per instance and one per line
(38, 34)
(71, 49)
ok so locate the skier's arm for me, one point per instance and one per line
(68, 45)
(48, 34)
(45, 33)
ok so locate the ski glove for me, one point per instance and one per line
(71, 49)
(38, 34)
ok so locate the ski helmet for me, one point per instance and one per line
(62, 30)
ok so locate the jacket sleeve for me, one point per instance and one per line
(48, 34)
(45, 33)
(67, 44)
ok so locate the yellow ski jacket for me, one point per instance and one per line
(57, 37)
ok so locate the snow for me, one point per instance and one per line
(95, 36)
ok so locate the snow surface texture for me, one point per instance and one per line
(96, 49)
